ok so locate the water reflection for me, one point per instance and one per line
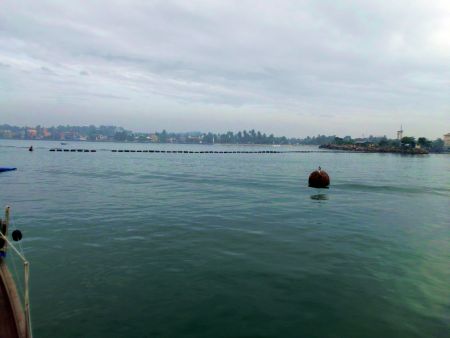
(319, 197)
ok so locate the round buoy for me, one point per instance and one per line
(319, 179)
(16, 235)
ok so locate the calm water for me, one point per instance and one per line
(231, 245)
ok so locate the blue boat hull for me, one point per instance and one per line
(6, 169)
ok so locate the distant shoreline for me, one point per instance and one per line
(333, 148)
(374, 149)
(156, 143)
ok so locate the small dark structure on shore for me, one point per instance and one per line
(319, 179)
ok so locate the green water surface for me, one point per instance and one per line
(231, 245)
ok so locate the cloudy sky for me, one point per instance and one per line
(293, 68)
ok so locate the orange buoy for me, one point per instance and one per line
(319, 179)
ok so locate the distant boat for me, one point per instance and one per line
(2, 169)
(14, 320)
(63, 143)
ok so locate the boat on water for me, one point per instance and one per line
(15, 319)
(2, 169)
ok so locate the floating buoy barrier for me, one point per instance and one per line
(319, 179)
(74, 150)
(209, 151)
(189, 151)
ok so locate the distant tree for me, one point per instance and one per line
(423, 142)
(120, 136)
(245, 137)
(338, 140)
(163, 136)
(383, 142)
(259, 138)
(437, 145)
(142, 138)
(208, 138)
(408, 141)
(91, 132)
(394, 143)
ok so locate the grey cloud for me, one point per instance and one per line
(307, 59)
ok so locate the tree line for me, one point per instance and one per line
(119, 134)
(406, 142)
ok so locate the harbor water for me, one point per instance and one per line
(231, 245)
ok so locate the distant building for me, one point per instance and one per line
(31, 133)
(101, 138)
(400, 133)
(153, 138)
(195, 139)
(46, 133)
(447, 141)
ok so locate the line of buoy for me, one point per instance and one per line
(195, 151)
(218, 151)
(74, 150)
(200, 152)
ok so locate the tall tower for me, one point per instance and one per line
(400, 133)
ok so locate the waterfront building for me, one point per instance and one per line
(46, 133)
(101, 138)
(31, 133)
(447, 141)
(153, 138)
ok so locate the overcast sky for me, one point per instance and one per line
(292, 68)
